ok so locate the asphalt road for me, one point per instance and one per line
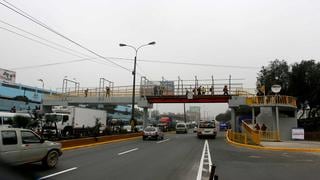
(178, 157)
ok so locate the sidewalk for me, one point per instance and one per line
(293, 144)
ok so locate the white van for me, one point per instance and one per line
(20, 146)
(207, 129)
(181, 128)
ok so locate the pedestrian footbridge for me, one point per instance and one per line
(277, 112)
(150, 92)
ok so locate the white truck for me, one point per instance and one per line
(74, 121)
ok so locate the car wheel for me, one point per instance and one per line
(51, 159)
(143, 138)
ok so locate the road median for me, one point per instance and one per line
(93, 141)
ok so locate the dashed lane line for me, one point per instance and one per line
(125, 152)
(163, 141)
(58, 173)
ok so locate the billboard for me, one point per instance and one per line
(7, 76)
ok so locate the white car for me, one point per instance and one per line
(152, 133)
(20, 146)
(139, 128)
(127, 128)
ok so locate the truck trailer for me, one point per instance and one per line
(74, 121)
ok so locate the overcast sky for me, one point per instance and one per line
(245, 33)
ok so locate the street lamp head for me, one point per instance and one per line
(40, 80)
(121, 45)
(152, 43)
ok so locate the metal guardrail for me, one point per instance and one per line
(272, 100)
(269, 136)
(253, 135)
(237, 137)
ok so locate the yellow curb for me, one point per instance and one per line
(99, 143)
(273, 148)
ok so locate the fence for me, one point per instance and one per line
(269, 136)
(237, 137)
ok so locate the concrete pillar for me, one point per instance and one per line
(145, 117)
(253, 117)
(233, 120)
(277, 119)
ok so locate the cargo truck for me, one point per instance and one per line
(73, 121)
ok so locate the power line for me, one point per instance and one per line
(186, 63)
(37, 41)
(24, 14)
(44, 39)
(50, 64)
(47, 45)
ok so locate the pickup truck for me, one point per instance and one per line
(21, 146)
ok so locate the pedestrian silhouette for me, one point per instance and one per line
(225, 90)
(86, 92)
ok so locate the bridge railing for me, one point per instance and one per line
(272, 100)
(164, 88)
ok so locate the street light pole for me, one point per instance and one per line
(134, 75)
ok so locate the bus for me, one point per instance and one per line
(6, 118)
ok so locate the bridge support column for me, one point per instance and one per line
(253, 117)
(145, 117)
(233, 120)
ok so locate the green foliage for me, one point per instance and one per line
(277, 72)
(304, 82)
(224, 117)
(301, 82)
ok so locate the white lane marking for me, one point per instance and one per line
(205, 152)
(125, 152)
(163, 141)
(57, 173)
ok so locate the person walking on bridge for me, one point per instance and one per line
(107, 91)
(212, 90)
(225, 90)
(86, 92)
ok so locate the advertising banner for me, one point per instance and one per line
(7, 76)
(298, 133)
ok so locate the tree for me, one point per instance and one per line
(223, 117)
(301, 82)
(277, 72)
(304, 82)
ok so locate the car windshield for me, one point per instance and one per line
(181, 126)
(206, 125)
(149, 129)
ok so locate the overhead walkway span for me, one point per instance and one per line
(150, 92)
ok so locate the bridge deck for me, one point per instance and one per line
(184, 99)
